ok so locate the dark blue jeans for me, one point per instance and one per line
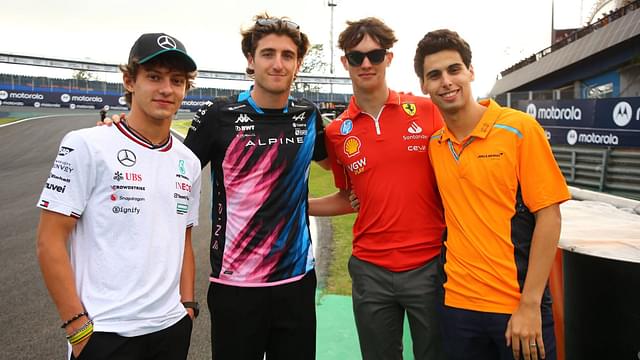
(478, 335)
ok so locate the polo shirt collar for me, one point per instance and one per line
(483, 127)
(353, 110)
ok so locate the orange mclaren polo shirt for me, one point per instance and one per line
(491, 183)
(385, 161)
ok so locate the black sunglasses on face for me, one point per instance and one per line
(355, 58)
(275, 21)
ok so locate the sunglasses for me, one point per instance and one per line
(355, 58)
(275, 21)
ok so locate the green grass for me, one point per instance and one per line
(7, 120)
(181, 126)
(320, 184)
(339, 282)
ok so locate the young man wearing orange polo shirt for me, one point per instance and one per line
(501, 189)
(378, 149)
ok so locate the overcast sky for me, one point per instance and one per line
(500, 32)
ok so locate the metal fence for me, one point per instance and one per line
(610, 170)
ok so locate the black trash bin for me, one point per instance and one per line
(601, 307)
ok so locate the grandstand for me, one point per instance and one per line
(584, 90)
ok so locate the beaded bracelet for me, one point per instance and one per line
(81, 334)
(74, 318)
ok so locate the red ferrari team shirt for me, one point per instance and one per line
(384, 160)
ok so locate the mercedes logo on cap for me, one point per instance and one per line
(126, 157)
(166, 42)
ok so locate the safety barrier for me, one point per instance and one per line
(610, 170)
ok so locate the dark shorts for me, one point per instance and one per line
(171, 343)
(479, 335)
(247, 322)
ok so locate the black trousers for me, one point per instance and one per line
(249, 322)
(171, 343)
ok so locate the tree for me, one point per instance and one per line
(313, 64)
(83, 75)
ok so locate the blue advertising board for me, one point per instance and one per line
(601, 122)
(57, 98)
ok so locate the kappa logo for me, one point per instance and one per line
(127, 157)
(414, 128)
(299, 117)
(243, 118)
(352, 146)
(409, 108)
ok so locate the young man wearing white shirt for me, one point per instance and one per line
(123, 199)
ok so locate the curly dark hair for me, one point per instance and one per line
(436, 41)
(266, 25)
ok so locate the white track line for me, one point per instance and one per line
(39, 117)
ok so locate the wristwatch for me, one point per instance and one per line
(193, 305)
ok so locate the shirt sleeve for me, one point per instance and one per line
(541, 180)
(200, 137)
(194, 199)
(72, 178)
(339, 175)
(319, 148)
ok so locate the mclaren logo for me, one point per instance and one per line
(409, 108)
(243, 118)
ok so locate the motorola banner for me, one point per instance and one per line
(60, 99)
(601, 122)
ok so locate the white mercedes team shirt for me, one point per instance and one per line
(134, 202)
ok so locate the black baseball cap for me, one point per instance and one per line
(148, 46)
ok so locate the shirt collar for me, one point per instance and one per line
(353, 110)
(483, 127)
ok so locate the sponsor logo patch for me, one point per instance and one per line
(64, 151)
(127, 157)
(409, 108)
(352, 146)
(182, 209)
(346, 127)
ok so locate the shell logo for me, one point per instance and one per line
(352, 146)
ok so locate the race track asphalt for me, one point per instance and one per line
(29, 320)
